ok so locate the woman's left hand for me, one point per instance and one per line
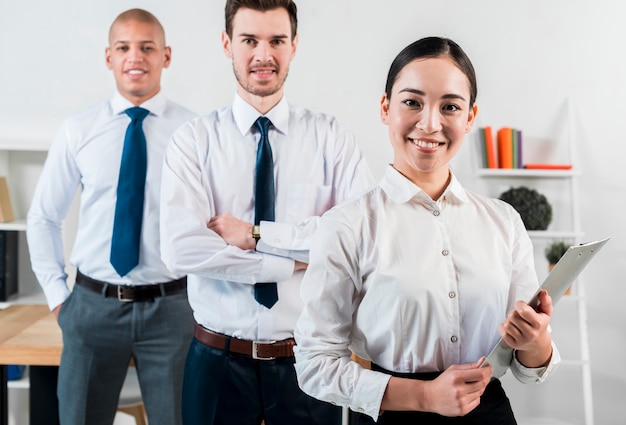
(526, 330)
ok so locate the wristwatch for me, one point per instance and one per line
(256, 232)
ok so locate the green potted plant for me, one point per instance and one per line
(554, 251)
(533, 207)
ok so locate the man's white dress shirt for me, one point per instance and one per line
(209, 170)
(86, 154)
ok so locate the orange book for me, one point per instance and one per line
(505, 147)
(490, 148)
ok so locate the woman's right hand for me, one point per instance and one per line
(455, 392)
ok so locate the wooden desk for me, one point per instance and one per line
(29, 335)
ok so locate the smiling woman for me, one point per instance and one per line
(414, 247)
(428, 112)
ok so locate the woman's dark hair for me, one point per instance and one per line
(232, 6)
(432, 47)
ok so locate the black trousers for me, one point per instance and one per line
(494, 408)
(222, 388)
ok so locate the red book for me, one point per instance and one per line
(548, 166)
(505, 148)
(490, 148)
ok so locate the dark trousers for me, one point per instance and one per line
(222, 388)
(100, 335)
(494, 408)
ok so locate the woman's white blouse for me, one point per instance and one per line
(414, 285)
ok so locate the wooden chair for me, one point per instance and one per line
(365, 363)
(130, 398)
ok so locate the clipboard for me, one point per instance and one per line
(556, 283)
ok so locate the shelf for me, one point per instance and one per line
(522, 172)
(542, 421)
(554, 234)
(24, 298)
(24, 145)
(572, 362)
(23, 383)
(19, 225)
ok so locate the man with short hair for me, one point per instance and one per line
(125, 304)
(243, 188)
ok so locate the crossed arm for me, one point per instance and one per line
(238, 233)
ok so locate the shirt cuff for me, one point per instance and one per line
(56, 294)
(277, 235)
(276, 239)
(536, 375)
(369, 392)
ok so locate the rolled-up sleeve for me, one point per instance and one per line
(535, 375)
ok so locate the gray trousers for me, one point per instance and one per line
(100, 335)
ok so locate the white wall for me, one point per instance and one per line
(531, 56)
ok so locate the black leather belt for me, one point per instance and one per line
(131, 293)
(260, 350)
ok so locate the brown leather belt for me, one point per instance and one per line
(131, 293)
(260, 350)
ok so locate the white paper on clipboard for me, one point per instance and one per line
(560, 278)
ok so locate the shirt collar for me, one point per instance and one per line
(401, 190)
(245, 115)
(156, 104)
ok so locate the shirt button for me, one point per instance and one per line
(445, 252)
(454, 338)
(436, 213)
(360, 409)
(452, 294)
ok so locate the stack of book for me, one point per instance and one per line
(8, 246)
(505, 150)
(8, 264)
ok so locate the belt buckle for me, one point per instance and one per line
(255, 348)
(120, 295)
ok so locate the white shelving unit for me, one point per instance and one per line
(21, 163)
(560, 186)
(571, 233)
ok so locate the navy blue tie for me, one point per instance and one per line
(130, 194)
(265, 293)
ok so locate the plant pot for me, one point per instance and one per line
(569, 290)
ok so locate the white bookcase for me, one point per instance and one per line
(21, 163)
(571, 233)
(569, 323)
